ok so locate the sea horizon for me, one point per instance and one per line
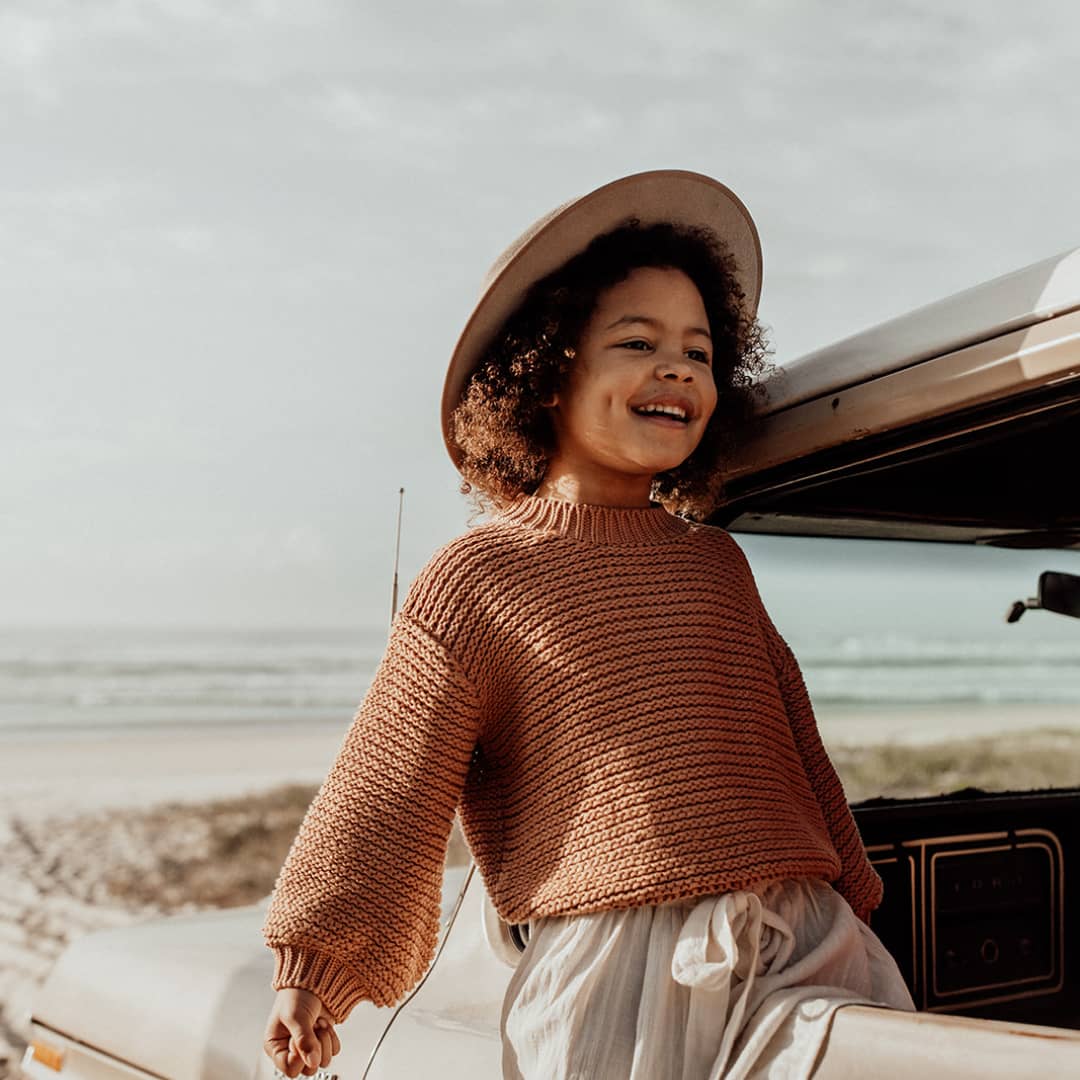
(68, 680)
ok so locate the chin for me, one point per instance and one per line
(652, 462)
(665, 466)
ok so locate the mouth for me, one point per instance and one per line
(670, 416)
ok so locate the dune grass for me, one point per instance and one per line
(1015, 762)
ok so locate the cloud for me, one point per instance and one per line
(190, 239)
(27, 40)
(48, 47)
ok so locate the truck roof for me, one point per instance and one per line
(1007, 303)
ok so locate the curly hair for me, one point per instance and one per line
(504, 430)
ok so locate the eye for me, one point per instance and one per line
(700, 355)
(637, 343)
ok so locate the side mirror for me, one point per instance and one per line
(1057, 591)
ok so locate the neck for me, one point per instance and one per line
(620, 491)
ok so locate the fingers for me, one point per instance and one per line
(326, 1040)
(285, 1060)
(306, 1063)
(308, 1051)
(290, 1061)
(278, 1047)
(291, 1042)
(319, 1053)
(304, 1041)
(300, 1035)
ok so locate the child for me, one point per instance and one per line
(591, 679)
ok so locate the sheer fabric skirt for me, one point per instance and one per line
(738, 985)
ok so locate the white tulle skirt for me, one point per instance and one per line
(739, 985)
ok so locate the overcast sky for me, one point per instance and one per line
(240, 238)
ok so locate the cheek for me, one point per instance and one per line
(709, 398)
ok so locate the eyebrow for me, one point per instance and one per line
(623, 320)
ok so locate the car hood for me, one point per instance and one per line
(183, 996)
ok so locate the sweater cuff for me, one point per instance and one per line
(331, 981)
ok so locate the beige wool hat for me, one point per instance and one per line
(663, 195)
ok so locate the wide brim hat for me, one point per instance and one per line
(663, 195)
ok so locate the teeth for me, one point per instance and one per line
(671, 410)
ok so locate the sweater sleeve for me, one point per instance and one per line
(858, 883)
(355, 910)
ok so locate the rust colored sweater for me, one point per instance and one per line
(603, 697)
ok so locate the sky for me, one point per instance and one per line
(238, 241)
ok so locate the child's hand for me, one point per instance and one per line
(300, 1035)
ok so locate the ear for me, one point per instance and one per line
(550, 401)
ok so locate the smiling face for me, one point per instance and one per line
(639, 395)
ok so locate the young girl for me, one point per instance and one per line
(591, 680)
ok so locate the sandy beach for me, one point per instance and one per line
(47, 775)
(923, 725)
(98, 832)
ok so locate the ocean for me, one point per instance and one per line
(69, 680)
(65, 681)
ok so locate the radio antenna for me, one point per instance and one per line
(397, 555)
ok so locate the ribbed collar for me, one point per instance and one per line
(612, 525)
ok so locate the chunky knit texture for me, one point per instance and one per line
(603, 697)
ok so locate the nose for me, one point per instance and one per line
(676, 368)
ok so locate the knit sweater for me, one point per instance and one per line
(601, 695)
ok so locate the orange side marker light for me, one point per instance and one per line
(52, 1057)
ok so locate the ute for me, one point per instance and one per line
(955, 424)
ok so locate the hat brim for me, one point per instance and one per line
(663, 195)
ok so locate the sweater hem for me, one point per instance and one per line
(675, 889)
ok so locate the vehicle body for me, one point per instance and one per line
(957, 423)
